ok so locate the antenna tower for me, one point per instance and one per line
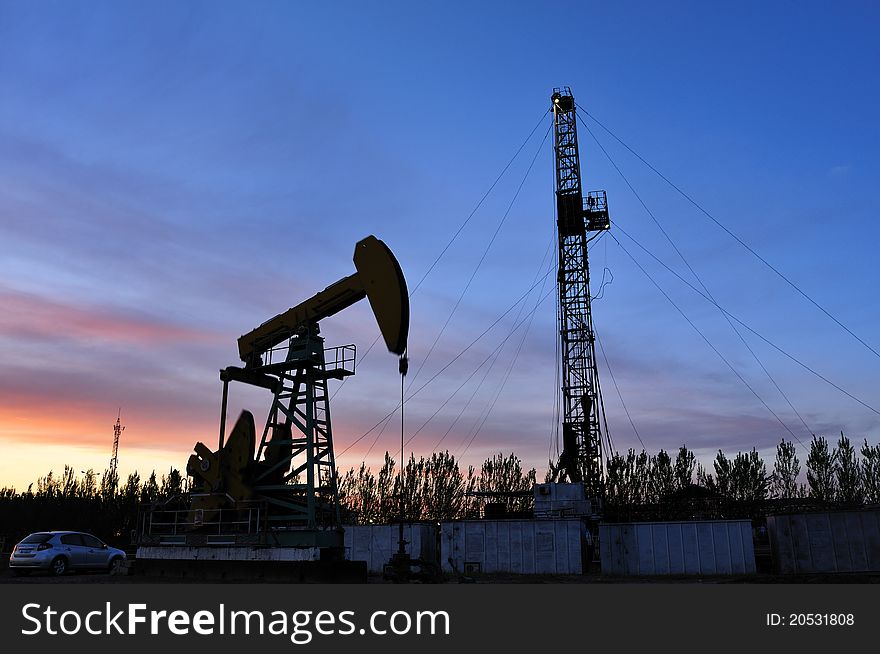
(118, 428)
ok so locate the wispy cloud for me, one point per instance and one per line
(26, 316)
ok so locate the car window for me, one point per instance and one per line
(91, 541)
(37, 538)
(71, 539)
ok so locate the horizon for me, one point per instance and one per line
(172, 179)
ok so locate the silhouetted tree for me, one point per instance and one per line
(636, 476)
(705, 479)
(750, 474)
(88, 487)
(723, 475)
(358, 494)
(871, 472)
(820, 470)
(409, 495)
(848, 473)
(109, 484)
(743, 479)
(614, 480)
(69, 486)
(443, 488)
(661, 481)
(685, 462)
(786, 468)
(388, 507)
(505, 474)
(48, 486)
(150, 489)
(172, 484)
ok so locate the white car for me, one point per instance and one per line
(60, 551)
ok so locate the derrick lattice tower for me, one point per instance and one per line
(579, 219)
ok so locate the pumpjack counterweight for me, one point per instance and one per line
(577, 219)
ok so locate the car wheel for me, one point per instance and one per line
(59, 566)
(115, 566)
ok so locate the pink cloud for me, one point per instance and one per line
(30, 316)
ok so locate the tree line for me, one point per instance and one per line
(838, 475)
(434, 488)
(437, 488)
(94, 503)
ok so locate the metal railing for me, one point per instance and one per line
(340, 357)
(214, 525)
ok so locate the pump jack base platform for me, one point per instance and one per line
(256, 565)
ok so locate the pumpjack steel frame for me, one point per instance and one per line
(302, 401)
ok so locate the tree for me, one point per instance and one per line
(685, 462)
(388, 504)
(820, 470)
(69, 485)
(358, 495)
(150, 489)
(130, 492)
(871, 472)
(109, 485)
(614, 480)
(635, 477)
(444, 488)
(750, 477)
(704, 479)
(48, 486)
(408, 489)
(786, 469)
(662, 476)
(504, 474)
(88, 487)
(848, 473)
(743, 479)
(723, 475)
(172, 484)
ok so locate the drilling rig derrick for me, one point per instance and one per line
(579, 218)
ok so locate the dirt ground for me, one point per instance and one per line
(7, 577)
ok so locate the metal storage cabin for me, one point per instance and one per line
(376, 543)
(716, 547)
(512, 546)
(839, 541)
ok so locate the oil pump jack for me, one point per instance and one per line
(579, 218)
(292, 470)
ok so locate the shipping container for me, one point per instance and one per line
(375, 544)
(512, 546)
(715, 547)
(837, 541)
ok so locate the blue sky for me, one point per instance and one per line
(173, 174)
